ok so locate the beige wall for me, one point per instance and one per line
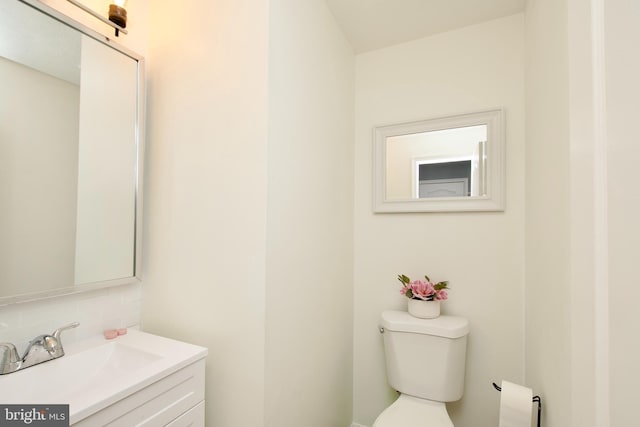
(309, 300)
(481, 254)
(622, 31)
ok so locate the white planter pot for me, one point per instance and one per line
(424, 309)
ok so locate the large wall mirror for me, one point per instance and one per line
(70, 156)
(445, 164)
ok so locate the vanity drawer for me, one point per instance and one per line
(158, 404)
(193, 418)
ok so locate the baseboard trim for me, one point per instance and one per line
(357, 425)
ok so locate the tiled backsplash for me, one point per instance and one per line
(118, 307)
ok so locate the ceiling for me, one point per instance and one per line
(374, 24)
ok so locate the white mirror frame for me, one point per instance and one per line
(492, 200)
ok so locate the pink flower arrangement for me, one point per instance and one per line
(424, 290)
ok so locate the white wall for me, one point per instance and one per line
(548, 262)
(96, 311)
(309, 300)
(247, 224)
(581, 391)
(42, 162)
(481, 254)
(205, 211)
(582, 104)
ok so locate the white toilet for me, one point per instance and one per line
(425, 363)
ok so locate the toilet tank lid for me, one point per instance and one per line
(442, 326)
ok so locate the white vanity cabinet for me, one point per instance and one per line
(138, 379)
(176, 400)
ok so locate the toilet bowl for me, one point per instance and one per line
(425, 361)
(409, 411)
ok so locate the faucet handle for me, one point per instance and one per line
(57, 332)
(54, 343)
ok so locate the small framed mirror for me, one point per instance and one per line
(446, 164)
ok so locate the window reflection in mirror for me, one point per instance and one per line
(446, 164)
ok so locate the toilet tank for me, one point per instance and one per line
(425, 358)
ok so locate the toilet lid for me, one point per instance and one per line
(409, 411)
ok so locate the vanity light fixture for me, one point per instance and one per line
(117, 15)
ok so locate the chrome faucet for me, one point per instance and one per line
(41, 349)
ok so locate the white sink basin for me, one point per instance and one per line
(97, 372)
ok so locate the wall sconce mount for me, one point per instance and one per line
(117, 19)
(118, 14)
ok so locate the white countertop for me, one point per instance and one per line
(97, 372)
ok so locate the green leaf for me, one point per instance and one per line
(441, 285)
(403, 279)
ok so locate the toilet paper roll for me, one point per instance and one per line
(515, 405)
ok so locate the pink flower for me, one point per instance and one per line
(422, 290)
(441, 294)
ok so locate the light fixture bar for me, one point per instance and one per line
(117, 27)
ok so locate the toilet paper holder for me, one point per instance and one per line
(534, 399)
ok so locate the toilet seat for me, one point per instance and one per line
(409, 411)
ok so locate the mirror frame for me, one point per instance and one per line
(139, 172)
(494, 198)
